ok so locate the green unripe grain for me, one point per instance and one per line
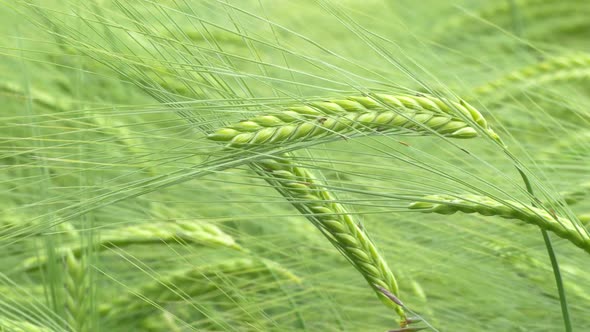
(368, 114)
(564, 228)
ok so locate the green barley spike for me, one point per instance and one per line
(372, 114)
(301, 188)
(563, 227)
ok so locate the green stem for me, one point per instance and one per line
(554, 264)
(560, 289)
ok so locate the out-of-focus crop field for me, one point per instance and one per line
(125, 207)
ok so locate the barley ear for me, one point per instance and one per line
(307, 195)
(77, 292)
(186, 232)
(377, 113)
(138, 303)
(563, 68)
(565, 228)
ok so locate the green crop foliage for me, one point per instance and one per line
(263, 165)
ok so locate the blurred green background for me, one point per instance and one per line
(115, 214)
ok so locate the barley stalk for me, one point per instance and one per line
(307, 195)
(564, 228)
(180, 286)
(342, 117)
(154, 233)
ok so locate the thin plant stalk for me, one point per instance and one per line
(554, 264)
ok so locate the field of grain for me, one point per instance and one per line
(308, 165)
